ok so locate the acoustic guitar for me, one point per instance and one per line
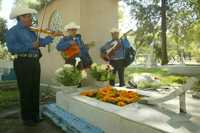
(74, 50)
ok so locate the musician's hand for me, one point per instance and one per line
(65, 33)
(114, 43)
(36, 44)
(73, 42)
(54, 34)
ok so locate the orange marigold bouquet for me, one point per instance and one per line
(111, 95)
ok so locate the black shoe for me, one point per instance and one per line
(122, 85)
(40, 119)
(79, 85)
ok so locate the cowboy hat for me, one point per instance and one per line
(21, 10)
(72, 25)
(114, 30)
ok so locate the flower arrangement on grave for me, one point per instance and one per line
(111, 95)
(4, 54)
(102, 72)
(69, 75)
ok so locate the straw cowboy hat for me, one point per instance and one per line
(72, 25)
(21, 10)
(114, 30)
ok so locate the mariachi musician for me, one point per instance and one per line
(24, 43)
(114, 52)
(73, 48)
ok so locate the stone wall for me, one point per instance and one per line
(95, 17)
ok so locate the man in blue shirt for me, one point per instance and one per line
(70, 38)
(24, 43)
(81, 59)
(116, 57)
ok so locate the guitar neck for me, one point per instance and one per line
(126, 33)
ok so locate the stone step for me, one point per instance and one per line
(67, 121)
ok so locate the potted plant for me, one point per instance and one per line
(69, 75)
(102, 72)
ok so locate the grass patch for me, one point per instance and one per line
(155, 71)
(162, 74)
(146, 85)
(173, 80)
(8, 98)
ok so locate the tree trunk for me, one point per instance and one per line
(164, 57)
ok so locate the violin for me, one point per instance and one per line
(48, 32)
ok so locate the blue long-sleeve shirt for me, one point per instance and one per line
(66, 42)
(20, 39)
(120, 52)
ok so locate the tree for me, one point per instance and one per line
(159, 20)
(36, 4)
(195, 4)
(3, 29)
(164, 30)
(147, 15)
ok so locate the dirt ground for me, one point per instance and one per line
(13, 124)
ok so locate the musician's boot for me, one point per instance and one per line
(122, 85)
(79, 85)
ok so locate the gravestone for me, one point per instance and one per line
(179, 92)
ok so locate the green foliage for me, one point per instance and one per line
(8, 98)
(156, 71)
(102, 72)
(162, 75)
(36, 4)
(148, 18)
(3, 29)
(195, 4)
(69, 79)
(68, 75)
(147, 85)
(182, 16)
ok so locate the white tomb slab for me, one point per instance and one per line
(132, 118)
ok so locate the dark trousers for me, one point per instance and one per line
(119, 68)
(28, 78)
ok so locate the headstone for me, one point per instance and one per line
(196, 95)
(179, 92)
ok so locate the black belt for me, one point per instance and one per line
(28, 55)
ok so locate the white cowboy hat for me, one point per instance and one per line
(71, 25)
(21, 10)
(114, 30)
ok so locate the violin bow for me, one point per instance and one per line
(43, 16)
